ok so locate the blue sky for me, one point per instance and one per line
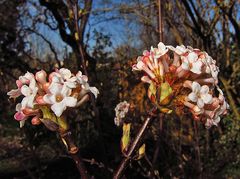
(115, 28)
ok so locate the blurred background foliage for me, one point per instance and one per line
(40, 34)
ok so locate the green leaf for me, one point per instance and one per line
(125, 137)
(152, 90)
(62, 123)
(141, 151)
(166, 110)
(165, 93)
(76, 36)
(51, 121)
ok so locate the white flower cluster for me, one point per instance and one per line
(188, 72)
(62, 89)
(120, 111)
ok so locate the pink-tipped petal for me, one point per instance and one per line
(40, 100)
(19, 83)
(19, 116)
(36, 121)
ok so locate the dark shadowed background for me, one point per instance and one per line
(40, 34)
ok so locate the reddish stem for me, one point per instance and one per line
(134, 145)
(74, 152)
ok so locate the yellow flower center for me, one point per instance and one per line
(59, 98)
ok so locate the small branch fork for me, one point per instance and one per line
(134, 145)
(73, 151)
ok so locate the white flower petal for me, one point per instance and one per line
(140, 65)
(14, 93)
(192, 57)
(196, 67)
(196, 87)
(94, 91)
(70, 101)
(32, 83)
(185, 65)
(207, 98)
(55, 88)
(25, 90)
(70, 84)
(56, 79)
(200, 103)
(65, 73)
(18, 107)
(21, 123)
(204, 89)
(216, 120)
(193, 97)
(58, 108)
(66, 91)
(24, 102)
(30, 102)
(49, 98)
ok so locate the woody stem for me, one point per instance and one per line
(74, 152)
(134, 145)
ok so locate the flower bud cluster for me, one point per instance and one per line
(120, 112)
(183, 77)
(57, 91)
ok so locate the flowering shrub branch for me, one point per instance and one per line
(47, 97)
(180, 79)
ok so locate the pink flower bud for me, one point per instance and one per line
(46, 86)
(40, 100)
(51, 76)
(30, 111)
(35, 121)
(187, 84)
(19, 83)
(19, 116)
(41, 76)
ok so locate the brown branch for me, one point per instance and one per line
(99, 164)
(190, 13)
(197, 151)
(134, 145)
(160, 20)
(83, 54)
(229, 13)
(49, 44)
(52, 7)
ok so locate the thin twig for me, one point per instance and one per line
(75, 9)
(99, 164)
(160, 20)
(197, 150)
(134, 145)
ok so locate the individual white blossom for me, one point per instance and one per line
(19, 115)
(192, 63)
(83, 81)
(59, 98)
(180, 50)
(64, 76)
(200, 95)
(160, 51)
(29, 93)
(22, 80)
